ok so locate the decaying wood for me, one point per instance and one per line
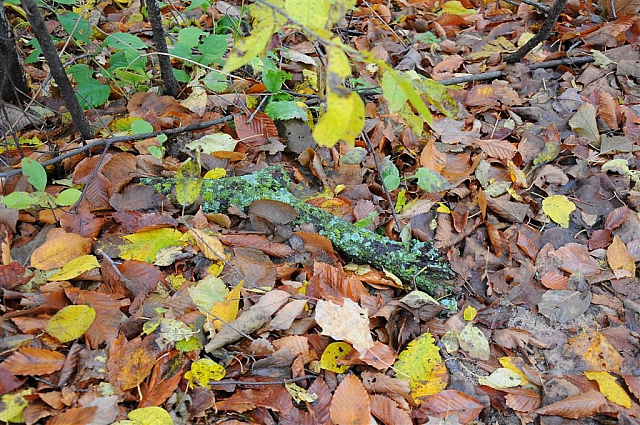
(415, 262)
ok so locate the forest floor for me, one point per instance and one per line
(125, 307)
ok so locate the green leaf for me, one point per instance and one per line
(204, 4)
(430, 181)
(208, 291)
(215, 81)
(92, 93)
(182, 51)
(68, 197)
(181, 75)
(125, 41)
(80, 72)
(438, 96)
(36, 173)
(140, 126)
(190, 36)
(34, 56)
(272, 77)
(76, 26)
(188, 182)
(213, 47)
(285, 110)
(19, 200)
(392, 93)
(390, 174)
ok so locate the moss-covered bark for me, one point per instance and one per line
(416, 261)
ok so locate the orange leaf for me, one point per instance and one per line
(135, 367)
(59, 250)
(351, 404)
(619, 259)
(577, 406)
(34, 361)
(388, 411)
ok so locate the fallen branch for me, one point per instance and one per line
(415, 262)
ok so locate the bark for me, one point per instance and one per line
(169, 80)
(416, 262)
(12, 81)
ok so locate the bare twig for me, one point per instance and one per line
(91, 144)
(262, 383)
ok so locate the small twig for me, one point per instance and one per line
(540, 6)
(253, 114)
(384, 186)
(543, 34)
(263, 383)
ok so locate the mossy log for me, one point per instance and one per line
(414, 262)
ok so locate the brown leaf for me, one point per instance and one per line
(74, 416)
(450, 402)
(575, 258)
(84, 223)
(387, 411)
(576, 406)
(616, 218)
(134, 364)
(633, 382)
(106, 325)
(381, 383)
(34, 361)
(522, 399)
(13, 275)
(351, 404)
(8, 381)
(260, 242)
(134, 221)
(432, 158)
(320, 408)
(258, 130)
(608, 110)
(499, 149)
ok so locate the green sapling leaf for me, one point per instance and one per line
(390, 174)
(68, 197)
(430, 181)
(35, 172)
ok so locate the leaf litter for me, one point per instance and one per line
(136, 311)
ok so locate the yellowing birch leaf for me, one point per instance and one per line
(620, 260)
(470, 313)
(13, 405)
(250, 47)
(610, 388)
(473, 341)
(558, 208)
(334, 352)
(312, 15)
(343, 120)
(71, 322)
(188, 182)
(150, 416)
(145, 245)
(421, 365)
(210, 246)
(507, 363)
(501, 378)
(227, 310)
(204, 371)
(349, 323)
(76, 267)
(454, 7)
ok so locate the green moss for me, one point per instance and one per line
(414, 262)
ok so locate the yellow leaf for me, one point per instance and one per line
(71, 322)
(338, 61)
(454, 7)
(226, 311)
(204, 371)
(13, 404)
(334, 352)
(299, 394)
(558, 208)
(507, 363)
(188, 182)
(470, 313)
(249, 47)
(421, 364)
(216, 173)
(501, 378)
(517, 175)
(145, 245)
(610, 388)
(150, 416)
(210, 246)
(343, 120)
(474, 342)
(312, 15)
(76, 267)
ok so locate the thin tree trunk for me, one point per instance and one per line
(57, 70)
(169, 80)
